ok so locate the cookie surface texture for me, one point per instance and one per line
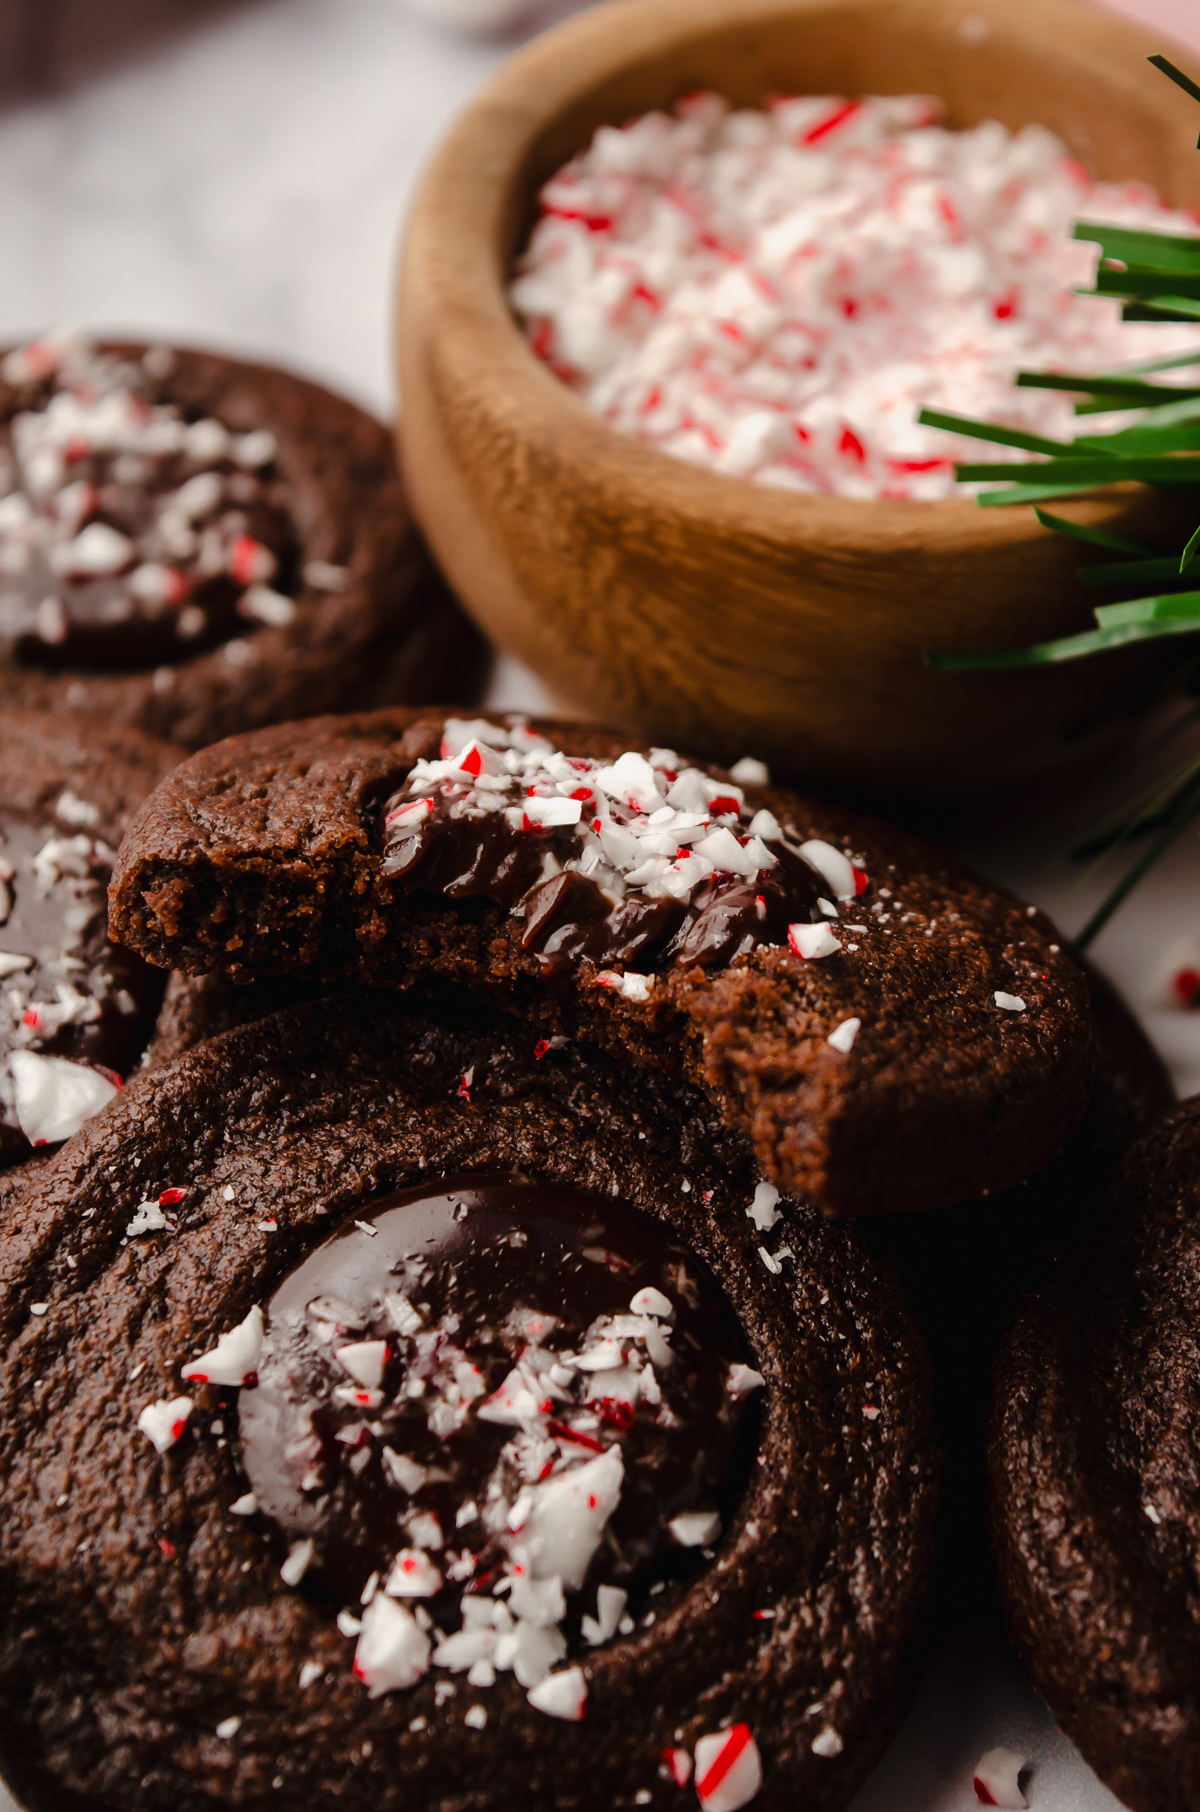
(933, 1045)
(151, 1655)
(1092, 1460)
(225, 545)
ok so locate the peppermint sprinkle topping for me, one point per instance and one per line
(762, 1210)
(129, 536)
(728, 1769)
(1010, 1003)
(997, 1779)
(440, 1425)
(775, 294)
(234, 1359)
(842, 1037)
(163, 1422)
(561, 1695)
(642, 862)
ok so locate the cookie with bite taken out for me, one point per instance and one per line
(890, 1032)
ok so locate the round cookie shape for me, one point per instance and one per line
(911, 1038)
(201, 545)
(150, 1652)
(76, 1011)
(1092, 1462)
(497, 1391)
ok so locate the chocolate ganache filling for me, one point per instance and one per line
(75, 1011)
(131, 534)
(643, 862)
(495, 1420)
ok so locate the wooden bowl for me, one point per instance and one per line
(710, 612)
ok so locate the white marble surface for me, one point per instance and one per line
(245, 188)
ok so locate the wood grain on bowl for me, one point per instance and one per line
(698, 609)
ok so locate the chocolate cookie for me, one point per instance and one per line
(1092, 1457)
(889, 1031)
(76, 1012)
(332, 1347)
(965, 1268)
(193, 545)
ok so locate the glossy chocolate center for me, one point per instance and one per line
(133, 535)
(66, 993)
(503, 1385)
(660, 865)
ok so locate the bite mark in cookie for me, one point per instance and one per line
(718, 930)
(645, 861)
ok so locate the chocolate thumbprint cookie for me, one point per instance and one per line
(1093, 1446)
(76, 1011)
(406, 1413)
(194, 545)
(888, 1031)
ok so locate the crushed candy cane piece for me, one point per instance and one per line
(299, 1559)
(163, 1422)
(53, 1096)
(836, 868)
(775, 294)
(234, 1359)
(728, 1769)
(562, 1695)
(827, 1742)
(750, 772)
(678, 1764)
(812, 941)
(629, 986)
(695, 1528)
(652, 1302)
(843, 1035)
(1010, 1003)
(364, 1360)
(762, 1210)
(393, 1650)
(413, 1575)
(148, 1217)
(997, 1779)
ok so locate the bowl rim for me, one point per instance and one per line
(463, 231)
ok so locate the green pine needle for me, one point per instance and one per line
(1177, 76)
(1165, 251)
(1079, 470)
(1130, 572)
(1007, 437)
(1095, 537)
(1157, 276)
(1166, 308)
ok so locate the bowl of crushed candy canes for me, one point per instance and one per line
(675, 291)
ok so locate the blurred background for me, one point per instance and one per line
(238, 173)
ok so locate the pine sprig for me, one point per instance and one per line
(1157, 278)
